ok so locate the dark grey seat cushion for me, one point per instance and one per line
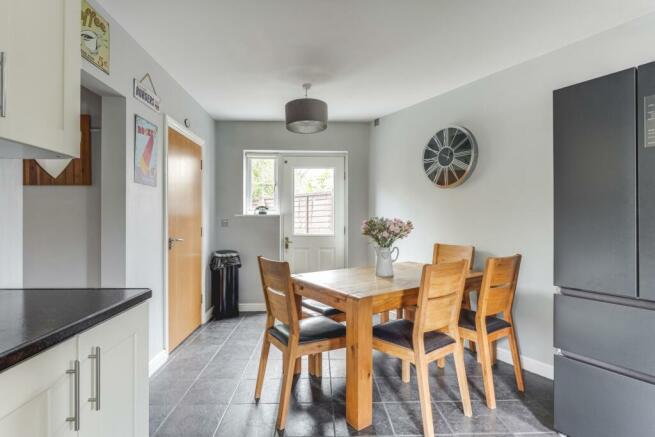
(400, 332)
(311, 329)
(467, 320)
(320, 308)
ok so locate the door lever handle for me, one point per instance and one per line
(287, 242)
(172, 241)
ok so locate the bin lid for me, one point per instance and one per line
(225, 253)
(225, 258)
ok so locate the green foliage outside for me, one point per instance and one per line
(262, 181)
(313, 180)
(306, 181)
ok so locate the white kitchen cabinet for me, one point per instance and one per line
(40, 78)
(123, 370)
(38, 395)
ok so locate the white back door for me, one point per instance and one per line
(312, 206)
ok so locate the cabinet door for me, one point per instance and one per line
(595, 185)
(41, 42)
(123, 373)
(595, 402)
(646, 165)
(38, 395)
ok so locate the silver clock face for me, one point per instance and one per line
(450, 156)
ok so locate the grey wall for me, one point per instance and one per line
(144, 206)
(112, 192)
(253, 236)
(506, 206)
(11, 223)
(61, 239)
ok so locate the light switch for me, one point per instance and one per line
(225, 223)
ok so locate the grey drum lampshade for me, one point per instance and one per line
(306, 116)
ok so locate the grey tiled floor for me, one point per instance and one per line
(207, 389)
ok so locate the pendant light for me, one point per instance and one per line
(306, 116)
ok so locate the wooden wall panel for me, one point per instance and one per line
(78, 172)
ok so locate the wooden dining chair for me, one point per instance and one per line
(444, 253)
(484, 327)
(433, 334)
(441, 253)
(313, 308)
(294, 337)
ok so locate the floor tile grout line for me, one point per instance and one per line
(384, 407)
(243, 321)
(175, 353)
(198, 377)
(443, 416)
(243, 372)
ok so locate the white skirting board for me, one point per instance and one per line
(252, 307)
(158, 361)
(207, 315)
(529, 364)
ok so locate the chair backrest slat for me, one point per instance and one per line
(439, 312)
(440, 297)
(499, 286)
(446, 253)
(278, 291)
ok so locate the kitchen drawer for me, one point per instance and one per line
(609, 332)
(593, 402)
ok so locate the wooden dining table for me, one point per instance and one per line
(360, 294)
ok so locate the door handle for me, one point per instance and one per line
(75, 371)
(172, 241)
(287, 242)
(96, 398)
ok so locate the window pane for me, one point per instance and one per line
(313, 203)
(262, 183)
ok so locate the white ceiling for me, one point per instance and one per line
(243, 59)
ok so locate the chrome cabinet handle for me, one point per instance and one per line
(96, 398)
(3, 84)
(75, 371)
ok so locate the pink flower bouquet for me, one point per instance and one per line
(386, 231)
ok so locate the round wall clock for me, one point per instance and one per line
(450, 156)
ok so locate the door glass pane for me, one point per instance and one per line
(313, 201)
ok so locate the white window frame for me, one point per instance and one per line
(247, 181)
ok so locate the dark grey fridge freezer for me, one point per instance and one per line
(604, 255)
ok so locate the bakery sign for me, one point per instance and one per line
(144, 91)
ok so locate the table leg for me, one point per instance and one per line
(359, 364)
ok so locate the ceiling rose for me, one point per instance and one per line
(306, 116)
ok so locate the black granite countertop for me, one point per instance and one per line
(32, 320)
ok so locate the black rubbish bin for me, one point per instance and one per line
(225, 283)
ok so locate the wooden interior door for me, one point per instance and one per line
(184, 237)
